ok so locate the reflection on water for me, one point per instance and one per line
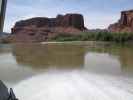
(72, 56)
(10, 71)
(68, 71)
(110, 63)
(46, 56)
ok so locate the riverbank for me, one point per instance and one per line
(95, 36)
(84, 36)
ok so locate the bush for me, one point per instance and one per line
(98, 36)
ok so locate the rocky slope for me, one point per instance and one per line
(125, 24)
(41, 28)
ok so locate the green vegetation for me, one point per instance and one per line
(99, 36)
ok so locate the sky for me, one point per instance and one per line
(97, 13)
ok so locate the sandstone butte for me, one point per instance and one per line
(41, 28)
(125, 24)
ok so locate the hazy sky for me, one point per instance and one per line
(97, 13)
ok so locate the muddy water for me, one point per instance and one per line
(73, 71)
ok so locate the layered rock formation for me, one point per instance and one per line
(42, 28)
(125, 24)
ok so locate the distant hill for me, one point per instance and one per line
(96, 30)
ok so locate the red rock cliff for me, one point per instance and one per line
(125, 24)
(42, 28)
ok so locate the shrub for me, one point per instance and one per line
(98, 36)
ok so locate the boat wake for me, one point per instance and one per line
(75, 85)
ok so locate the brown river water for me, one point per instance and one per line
(68, 71)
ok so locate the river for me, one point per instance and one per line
(68, 71)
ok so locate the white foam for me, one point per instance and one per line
(75, 85)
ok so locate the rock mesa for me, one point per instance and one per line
(41, 28)
(125, 24)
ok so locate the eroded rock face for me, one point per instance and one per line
(69, 20)
(125, 24)
(41, 28)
